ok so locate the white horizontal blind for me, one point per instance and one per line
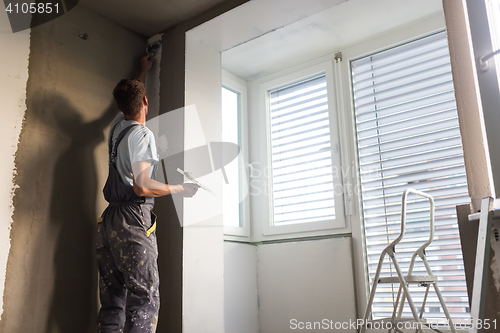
(408, 136)
(301, 158)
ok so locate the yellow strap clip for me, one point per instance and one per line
(152, 229)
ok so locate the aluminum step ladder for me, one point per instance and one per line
(405, 281)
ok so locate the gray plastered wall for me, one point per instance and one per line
(61, 161)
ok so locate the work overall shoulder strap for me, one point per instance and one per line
(113, 151)
(110, 138)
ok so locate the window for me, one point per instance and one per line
(301, 153)
(304, 177)
(234, 190)
(408, 136)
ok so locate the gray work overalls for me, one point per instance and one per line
(126, 256)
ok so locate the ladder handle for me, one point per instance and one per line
(403, 226)
(403, 218)
(390, 248)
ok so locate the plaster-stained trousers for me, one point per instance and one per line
(126, 257)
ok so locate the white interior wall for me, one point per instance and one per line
(240, 288)
(306, 281)
(267, 286)
(203, 272)
(14, 55)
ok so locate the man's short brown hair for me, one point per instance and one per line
(129, 94)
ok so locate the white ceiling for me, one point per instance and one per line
(149, 17)
(256, 18)
(265, 36)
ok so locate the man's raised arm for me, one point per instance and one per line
(146, 63)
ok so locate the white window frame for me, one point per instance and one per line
(387, 41)
(324, 227)
(234, 83)
(436, 268)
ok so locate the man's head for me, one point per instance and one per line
(130, 96)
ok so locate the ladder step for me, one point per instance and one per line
(417, 279)
(397, 320)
